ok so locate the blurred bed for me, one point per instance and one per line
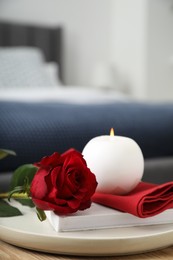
(39, 115)
(31, 67)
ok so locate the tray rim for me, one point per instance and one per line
(103, 246)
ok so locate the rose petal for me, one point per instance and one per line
(43, 205)
(85, 205)
(72, 162)
(60, 178)
(67, 188)
(58, 209)
(38, 186)
(81, 194)
(64, 210)
(59, 201)
(74, 203)
(52, 160)
(73, 182)
(65, 192)
(74, 155)
(52, 194)
(68, 152)
(57, 177)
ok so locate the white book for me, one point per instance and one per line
(100, 217)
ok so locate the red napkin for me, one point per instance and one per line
(144, 201)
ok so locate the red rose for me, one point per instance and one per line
(63, 183)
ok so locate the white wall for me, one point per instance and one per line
(128, 43)
(142, 46)
(135, 35)
(160, 50)
(86, 30)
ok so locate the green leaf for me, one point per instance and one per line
(6, 210)
(26, 171)
(26, 202)
(4, 153)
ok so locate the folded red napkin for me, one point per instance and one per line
(144, 201)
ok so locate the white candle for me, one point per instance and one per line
(116, 161)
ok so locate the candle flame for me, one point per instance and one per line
(112, 132)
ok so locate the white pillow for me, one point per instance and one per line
(52, 71)
(22, 67)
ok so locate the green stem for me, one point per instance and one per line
(5, 195)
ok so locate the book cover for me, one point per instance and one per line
(100, 217)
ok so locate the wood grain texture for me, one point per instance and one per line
(9, 252)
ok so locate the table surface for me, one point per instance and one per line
(11, 252)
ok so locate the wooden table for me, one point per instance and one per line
(9, 252)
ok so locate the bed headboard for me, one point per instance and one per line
(48, 39)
